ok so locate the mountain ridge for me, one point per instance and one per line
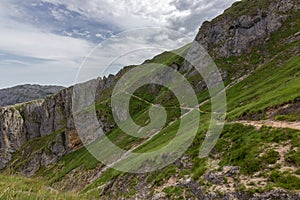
(25, 93)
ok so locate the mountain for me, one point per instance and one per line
(255, 45)
(25, 93)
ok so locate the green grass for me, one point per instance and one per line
(290, 118)
(81, 157)
(170, 57)
(174, 192)
(238, 8)
(199, 168)
(285, 180)
(265, 90)
(241, 146)
(271, 157)
(32, 147)
(22, 188)
(293, 157)
(163, 175)
(94, 188)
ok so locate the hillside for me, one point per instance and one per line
(25, 93)
(255, 45)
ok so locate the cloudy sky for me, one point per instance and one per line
(45, 41)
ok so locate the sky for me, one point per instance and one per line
(46, 41)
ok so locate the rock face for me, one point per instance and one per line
(233, 34)
(25, 93)
(22, 123)
(11, 137)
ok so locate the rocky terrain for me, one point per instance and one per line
(51, 116)
(238, 30)
(256, 46)
(25, 93)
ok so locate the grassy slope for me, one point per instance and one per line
(17, 187)
(272, 84)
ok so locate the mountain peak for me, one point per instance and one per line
(245, 25)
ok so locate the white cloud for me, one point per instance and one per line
(182, 15)
(33, 55)
(28, 41)
(48, 73)
(13, 62)
(99, 35)
(131, 47)
(60, 55)
(200, 10)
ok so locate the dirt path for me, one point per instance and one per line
(271, 123)
(125, 155)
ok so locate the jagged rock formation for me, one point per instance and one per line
(22, 123)
(25, 93)
(12, 137)
(233, 34)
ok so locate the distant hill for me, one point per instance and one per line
(24, 93)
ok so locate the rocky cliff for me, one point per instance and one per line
(22, 123)
(246, 25)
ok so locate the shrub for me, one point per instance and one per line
(271, 157)
(293, 157)
(286, 181)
